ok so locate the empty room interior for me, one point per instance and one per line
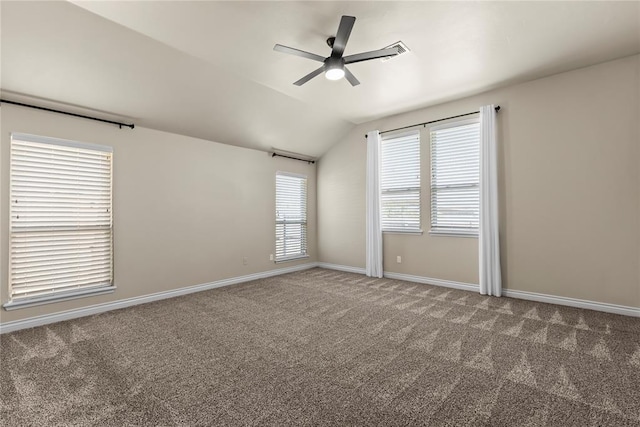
(319, 213)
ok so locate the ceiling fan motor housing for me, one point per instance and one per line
(331, 63)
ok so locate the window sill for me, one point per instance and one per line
(62, 296)
(454, 233)
(291, 258)
(415, 232)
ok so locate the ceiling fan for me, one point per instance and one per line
(334, 65)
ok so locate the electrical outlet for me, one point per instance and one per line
(245, 261)
(399, 259)
(270, 257)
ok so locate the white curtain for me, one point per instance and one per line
(490, 277)
(374, 231)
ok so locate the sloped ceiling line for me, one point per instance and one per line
(207, 69)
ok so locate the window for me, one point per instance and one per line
(60, 226)
(400, 182)
(455, 178)
(291, 216)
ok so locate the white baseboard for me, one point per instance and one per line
(338, 267)
(431, 281)
(101, 308)
(531, 296)
(406, 277)
(573, 302)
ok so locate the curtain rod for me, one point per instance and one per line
(67, 113)
(433, 121)
(293, 158)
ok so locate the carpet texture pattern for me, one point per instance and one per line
(321, 347)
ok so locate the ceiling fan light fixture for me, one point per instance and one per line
(333, 68)
(334, 73)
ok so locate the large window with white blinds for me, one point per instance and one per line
(400, 182)
(60, 219)
(455, 178)
(291, 216)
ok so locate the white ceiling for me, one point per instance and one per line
(207, 69)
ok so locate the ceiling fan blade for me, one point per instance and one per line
(344, 31)
(298, 52)
(365, 56)
(309, 76)
(350, 77)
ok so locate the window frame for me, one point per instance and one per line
(64, 294)
(451, 231)
(394, 135)
(304, 223)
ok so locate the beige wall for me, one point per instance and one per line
(569, 190)
(186, 211)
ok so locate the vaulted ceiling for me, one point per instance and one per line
(208, 69)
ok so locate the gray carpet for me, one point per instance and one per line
(321, 347)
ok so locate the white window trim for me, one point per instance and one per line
(452, 124)
(440, 232)
(25, 302)
(62, 296)
(292, 174)
(443, 231)
(291, 258)
(398, 231)
(57, 141)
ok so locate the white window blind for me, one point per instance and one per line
(455, 178)
(60, 226)
(400, 182)
(291, 216)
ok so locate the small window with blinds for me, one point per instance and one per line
(291, 216)
(455, 178)
(60, 219)
(400, 182)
